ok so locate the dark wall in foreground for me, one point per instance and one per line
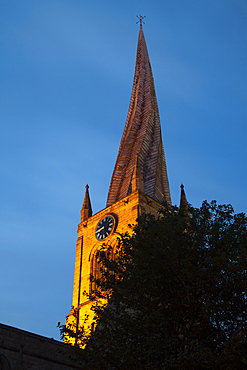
(22, 350)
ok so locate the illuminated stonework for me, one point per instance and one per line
(126, 211)
(139, 184)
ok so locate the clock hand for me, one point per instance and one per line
(100, 229)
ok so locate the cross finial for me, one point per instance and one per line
(140, 17)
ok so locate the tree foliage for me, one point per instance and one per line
(176, 291)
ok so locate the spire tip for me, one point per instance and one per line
(141, 17)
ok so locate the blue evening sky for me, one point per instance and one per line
(66, 71)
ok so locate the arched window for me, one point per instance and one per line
(97, 266)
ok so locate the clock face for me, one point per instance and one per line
(105, 227)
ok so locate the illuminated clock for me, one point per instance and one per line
(105, 227)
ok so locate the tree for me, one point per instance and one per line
(177, 293)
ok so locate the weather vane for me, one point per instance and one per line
(141, 17)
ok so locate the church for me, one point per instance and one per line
(139, 184)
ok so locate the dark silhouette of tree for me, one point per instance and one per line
(177, 293)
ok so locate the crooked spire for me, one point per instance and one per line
(142, 136)
(86, 210)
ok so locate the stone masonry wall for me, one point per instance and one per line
(22, 350)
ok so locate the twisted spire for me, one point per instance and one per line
(142, 136)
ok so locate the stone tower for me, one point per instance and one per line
(139, 183)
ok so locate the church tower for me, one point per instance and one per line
(139, 183)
